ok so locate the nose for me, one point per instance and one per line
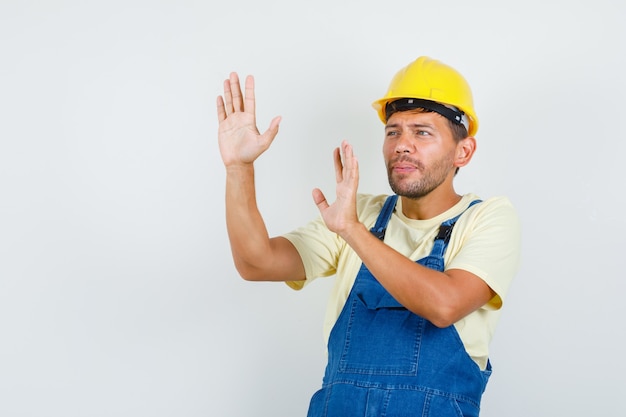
(404, 144)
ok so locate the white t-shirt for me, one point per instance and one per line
(485, 241)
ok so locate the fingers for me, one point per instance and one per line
(346, 164)
(221, 111)
(234, 92)
(338, 165)
(224, 103)
(249, 103)
(233, 101)
(351, 164)
(228, 98)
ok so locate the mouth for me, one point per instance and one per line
(403, 166)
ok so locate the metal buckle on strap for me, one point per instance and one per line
(380, 234)
(444, 233)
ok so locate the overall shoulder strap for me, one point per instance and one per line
(445, 231)
(380, 227)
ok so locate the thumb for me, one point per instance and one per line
(272, 130)
(319, 199)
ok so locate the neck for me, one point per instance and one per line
(430, 205)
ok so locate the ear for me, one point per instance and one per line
(464, 151)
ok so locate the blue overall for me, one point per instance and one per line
(384, 360)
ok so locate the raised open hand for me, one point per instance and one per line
(341, 214)
(239, 138)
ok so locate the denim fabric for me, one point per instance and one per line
(384, 360)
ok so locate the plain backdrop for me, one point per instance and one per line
(118, 296)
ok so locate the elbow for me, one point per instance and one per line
(444, 316)
(246, 277)
(442, 322)
(251, 277)
(247, 272)
(440, 316)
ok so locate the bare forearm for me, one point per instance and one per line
(403, 278)
(256, 255)
(248, 235)
(441, 297)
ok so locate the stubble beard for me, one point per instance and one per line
(432, 178)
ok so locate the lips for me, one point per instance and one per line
(404, 168)
(405, 165)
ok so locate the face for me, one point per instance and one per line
(419, 152)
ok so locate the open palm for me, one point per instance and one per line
(341, 214)
(239, 139)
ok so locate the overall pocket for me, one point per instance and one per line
(382, 337)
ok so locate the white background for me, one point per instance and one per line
(118, 296)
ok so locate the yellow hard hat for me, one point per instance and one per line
(426, 82)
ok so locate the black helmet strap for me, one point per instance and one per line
(404, 104)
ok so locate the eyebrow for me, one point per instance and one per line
(411, 125)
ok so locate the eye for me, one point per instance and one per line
(392, 133)
(422, 133)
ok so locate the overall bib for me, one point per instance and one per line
(384, 360)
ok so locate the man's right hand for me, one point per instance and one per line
(239, 138)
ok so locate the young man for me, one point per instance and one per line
(421, 275)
